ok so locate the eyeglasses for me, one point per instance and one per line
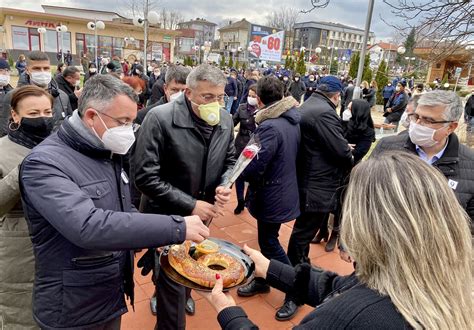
(212, 98)
(4, 71)
(414, 117)
(120, 122)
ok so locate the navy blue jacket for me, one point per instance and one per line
(388, 91)
(77, 203)
(231, 89)
(273, 190)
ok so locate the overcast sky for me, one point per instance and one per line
(349, 12)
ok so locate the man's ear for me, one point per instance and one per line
(260, 103)
(452, 127)
(88, 117)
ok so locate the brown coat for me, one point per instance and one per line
(16, 252)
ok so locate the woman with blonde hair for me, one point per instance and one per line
(410, 240)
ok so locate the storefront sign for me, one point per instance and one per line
(41, 24)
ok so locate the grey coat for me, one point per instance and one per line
(16, 252)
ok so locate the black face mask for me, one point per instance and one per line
(37, 128)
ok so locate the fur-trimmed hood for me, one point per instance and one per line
(279, 109)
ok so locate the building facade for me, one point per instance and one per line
(384, 51)
(204, 31)
(19, 34)
(329, 36)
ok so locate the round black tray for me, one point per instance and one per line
(225, 247)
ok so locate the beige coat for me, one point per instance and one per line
(16, 252)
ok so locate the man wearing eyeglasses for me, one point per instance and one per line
(183, 156)
(431, 136)
(76, 198)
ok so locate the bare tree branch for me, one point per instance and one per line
(316, 4)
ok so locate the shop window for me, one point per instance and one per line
(20, 38)
(51, 41)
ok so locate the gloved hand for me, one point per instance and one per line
(147, 262)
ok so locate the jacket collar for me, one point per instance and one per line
(275, 109)
(74, 133)
(321, 96)
(182, 115)
(447, 163)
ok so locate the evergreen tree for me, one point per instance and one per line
(287, 61)
(244, 66)
(222, 62)
(231, 62)
(300, 65)
(367, 73)
(334, 66)
(382, 79)
(354, 65)
(410, 43)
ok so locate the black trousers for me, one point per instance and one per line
(111, 325)
(170, 302)
(306, 226)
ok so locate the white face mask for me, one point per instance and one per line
(252, 101)
(346, 115)
(41, 79)
(92, 70)
(405, 121)
(422, 136)
(174, 96)
(4, 80)
(397, 89)
(117, 139)
(78, 83)
(150, 68)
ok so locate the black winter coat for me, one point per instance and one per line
(342, 301)
(324, 155)
(398, 103)
(245, 115)
(69, 90)
(77, 202)
(173, 164)
(297, 89)
(457, 165)
(273, 190)
(4, 110)
(469, 107)
(310, 88)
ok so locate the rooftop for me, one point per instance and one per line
(198, 21)
(323, 24)
(242, 24)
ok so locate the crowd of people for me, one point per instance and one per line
(138, 159)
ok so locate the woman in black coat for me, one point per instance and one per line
(245, 116)
(360, 129)
(398, 284)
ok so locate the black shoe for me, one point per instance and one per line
(322, 235)
(190, 306)
(331, 244)
(253, 288)
(240, 207)
(287, 311)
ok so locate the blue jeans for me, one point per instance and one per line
(228, 103)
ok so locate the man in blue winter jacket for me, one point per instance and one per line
(76, 198)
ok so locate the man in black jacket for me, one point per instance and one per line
(469, 113)
(431, 136)
(174, 85)
(184, 153)
(38, 73)
(68, 81)
(5, 87)
(324, 156)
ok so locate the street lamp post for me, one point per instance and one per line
(41, 31)
(409, 59)
(330, 57)
(61, 29)
(149, 17)
(94, 26)
(318, 51)
(360, 69)
(249, 49)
